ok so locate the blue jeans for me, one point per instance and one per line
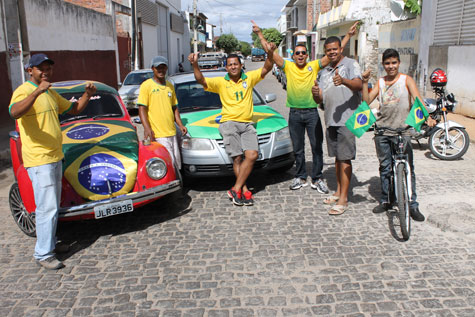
(383, 150)
(301, 120)
(46, 181)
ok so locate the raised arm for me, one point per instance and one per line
(79, 106)
(200, 79)
(369, 97)
(19, 108)
(351, 31)
(278, 60)
(269, 60)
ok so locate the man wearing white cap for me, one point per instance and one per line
(158, 109)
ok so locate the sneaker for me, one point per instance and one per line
(320, 186)
(298, 183)
(416, 215)
(382, 207)
(51, 263)
(62, 248)
(235, 197)
(248, 199)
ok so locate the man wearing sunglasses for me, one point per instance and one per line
(303, 115)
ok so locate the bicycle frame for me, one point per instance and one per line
(398, 156)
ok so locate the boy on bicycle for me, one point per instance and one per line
(396, 93)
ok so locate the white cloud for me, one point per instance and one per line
(237, 15)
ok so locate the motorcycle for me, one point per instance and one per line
(448, 139)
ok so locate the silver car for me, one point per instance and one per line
(202, 148)
(129, 91)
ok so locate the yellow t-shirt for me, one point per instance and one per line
(300, 82)
(235, 97)
(40, 131)
(159, 100)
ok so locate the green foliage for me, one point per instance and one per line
(245, 48)
(413, 6)
(228, 43)
(271, 35)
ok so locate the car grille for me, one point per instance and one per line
(262, 139)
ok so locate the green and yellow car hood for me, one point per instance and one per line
(203, 124)
(100, 157)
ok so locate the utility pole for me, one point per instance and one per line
(220, 24)
(195, 22)
(134, 36)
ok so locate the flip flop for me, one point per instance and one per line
(331, 200)
(337, 210)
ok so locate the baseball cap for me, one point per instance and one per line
(158, 60)
(37, 59)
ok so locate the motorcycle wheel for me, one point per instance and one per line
(450, 147)
(403, 201)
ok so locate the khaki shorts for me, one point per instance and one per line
(341, 143)
(171, 144)
(238, 137)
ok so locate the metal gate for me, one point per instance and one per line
(454, 22)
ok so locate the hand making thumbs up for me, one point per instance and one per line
(337, 79)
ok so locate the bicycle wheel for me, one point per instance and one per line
(449, 147)
(402, 192)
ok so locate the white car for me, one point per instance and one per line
(129, 91)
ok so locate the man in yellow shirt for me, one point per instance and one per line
(36, 109)
(158, 109)
(303, 114)
(236, 126)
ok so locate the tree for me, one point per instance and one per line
(228, 43)
(412, 6)
(245, 48)
(271, 35)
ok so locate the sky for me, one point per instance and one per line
(236, 15)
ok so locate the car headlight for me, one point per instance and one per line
(282, 134)
(156, 168)
(196, 144)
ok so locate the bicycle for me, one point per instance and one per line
(400, 186)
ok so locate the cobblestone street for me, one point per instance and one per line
(195, 254)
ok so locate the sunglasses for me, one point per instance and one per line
(300, 52)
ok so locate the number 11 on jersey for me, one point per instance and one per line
(239, 94)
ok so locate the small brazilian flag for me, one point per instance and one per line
(417, 115)
(361, 120)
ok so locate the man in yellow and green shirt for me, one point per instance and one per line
(36, 108)
(236, 126)
(158, 110)
(303, 115)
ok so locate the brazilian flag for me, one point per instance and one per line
(417, 115)
(361, 120)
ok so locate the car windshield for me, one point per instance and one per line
(137, 78)
(101, 105)
(192, 97)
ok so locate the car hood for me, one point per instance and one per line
(100, 157)
(129, 90)
(204, 124)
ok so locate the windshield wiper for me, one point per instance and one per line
(105, 115)
(194, 108)
(73, 118)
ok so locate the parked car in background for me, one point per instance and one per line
(106, 170)
(211, 60)
(283, 77)
(243, 61)
(276, 71)
(202, 148)
(129, 91)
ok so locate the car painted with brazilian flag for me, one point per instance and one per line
(202, 148)
(106, 170)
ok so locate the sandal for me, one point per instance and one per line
(331, 200)
(337, 210)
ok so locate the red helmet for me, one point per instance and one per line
(438, 78)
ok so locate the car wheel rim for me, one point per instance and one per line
(23, 218)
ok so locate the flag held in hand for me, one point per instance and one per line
(417, 115)
(361, 120)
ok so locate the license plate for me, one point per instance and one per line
(113, 209)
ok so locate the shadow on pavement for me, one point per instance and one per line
(394, 225)
(82, 234)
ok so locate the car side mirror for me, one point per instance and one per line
(270, 98)
(119, 84)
